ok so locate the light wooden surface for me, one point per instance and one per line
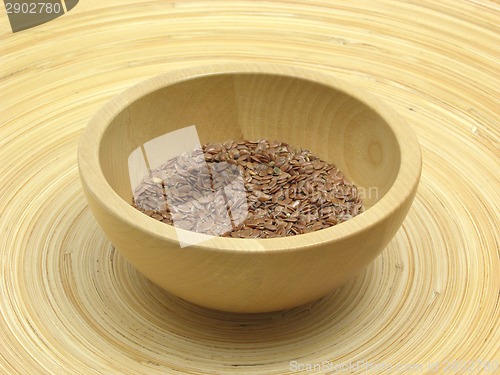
(71, 305)
(339, 122)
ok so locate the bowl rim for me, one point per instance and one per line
(403, 187)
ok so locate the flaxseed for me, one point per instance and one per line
(283, 191)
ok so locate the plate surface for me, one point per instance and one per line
(72, 305)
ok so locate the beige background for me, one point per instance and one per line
(71, 305)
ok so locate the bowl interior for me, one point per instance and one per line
(331, 123)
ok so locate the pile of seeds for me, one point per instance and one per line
(248, 189)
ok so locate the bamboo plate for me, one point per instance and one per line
(71, 305)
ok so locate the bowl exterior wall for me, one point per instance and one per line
(248, 281)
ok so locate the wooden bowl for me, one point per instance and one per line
(338, 122)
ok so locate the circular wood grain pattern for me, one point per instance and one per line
(70, 304)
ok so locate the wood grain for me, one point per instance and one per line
(71, 305)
